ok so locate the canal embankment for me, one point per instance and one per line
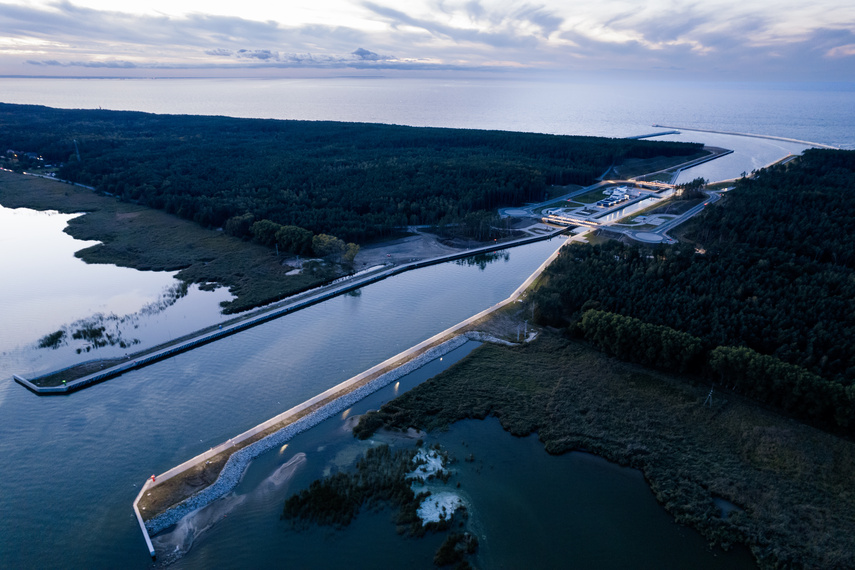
(170, 496)
(258, 317)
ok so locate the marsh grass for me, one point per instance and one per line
(152, 240)
(380, 479)
(794, 484)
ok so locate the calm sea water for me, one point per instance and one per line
(820, 113)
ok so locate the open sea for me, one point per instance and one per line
(815, 112)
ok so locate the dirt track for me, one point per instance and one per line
(404, 250)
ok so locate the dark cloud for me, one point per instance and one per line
(262, 54)
(682, 40)
(475, 11)
(92, 64)
(733, 54)
(231, 28)
(540, 17)
(366, 55)
(100, 31)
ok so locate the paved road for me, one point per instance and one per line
(660, 234)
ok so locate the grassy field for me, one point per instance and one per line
(147, 239)
(590, 197)
(794, 486)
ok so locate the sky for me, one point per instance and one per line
(758, 40)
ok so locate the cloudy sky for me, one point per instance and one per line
(718, 39)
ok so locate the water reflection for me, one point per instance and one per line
(483, 259)
(51, 322)
(629, 210)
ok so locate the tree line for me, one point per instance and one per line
(356, 181)
(765, 291)
(762, 377)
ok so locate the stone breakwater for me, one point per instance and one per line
(236, 465)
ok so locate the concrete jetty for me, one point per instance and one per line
(770, 137)
(140, 519)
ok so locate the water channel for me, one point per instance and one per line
(72, 465)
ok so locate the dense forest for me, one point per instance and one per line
(771, 271)
(351, 180)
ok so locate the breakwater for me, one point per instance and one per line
(260, 317)
(651, 135)
(756, 136)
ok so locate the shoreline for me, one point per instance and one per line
(233, 471)
(308, 414)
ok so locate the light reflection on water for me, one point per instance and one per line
(527, 508)
(46, 289)
(147, 421)
(628, 210)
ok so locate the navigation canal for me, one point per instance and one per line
(72, 465)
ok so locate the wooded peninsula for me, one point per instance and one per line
(755, 302)
(358, 182)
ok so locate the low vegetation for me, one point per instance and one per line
(142, 238)
(379, 479)
(792, 484)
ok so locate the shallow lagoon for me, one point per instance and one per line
(77, 461)
(47, 289)
(527, 508)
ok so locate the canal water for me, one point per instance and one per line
(73, 464)
(749, 154)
